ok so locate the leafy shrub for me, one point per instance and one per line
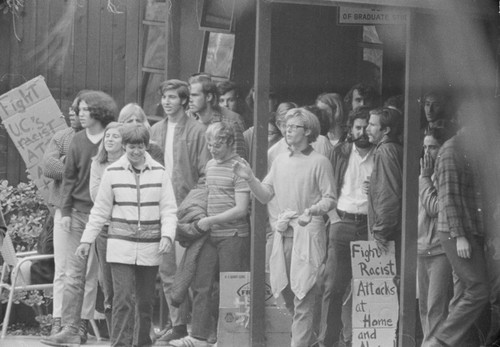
(25, 213)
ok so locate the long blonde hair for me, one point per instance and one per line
(102, 155)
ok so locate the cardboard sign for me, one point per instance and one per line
(234, 313)
(31, 116)
(375, 304)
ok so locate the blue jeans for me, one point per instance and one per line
(134, 295)
(218, 254)
(76, 287)
(435, 287)
(338, 275)
(471, 301)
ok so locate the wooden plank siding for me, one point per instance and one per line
(95, 49)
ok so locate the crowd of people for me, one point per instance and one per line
(134, 202)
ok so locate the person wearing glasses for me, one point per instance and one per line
(96, 110)
(385, 187)
(227, 247)
(53, 168)
(301, 180)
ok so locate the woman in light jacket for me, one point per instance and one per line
(136, 197)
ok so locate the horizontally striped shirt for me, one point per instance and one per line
(222, 184)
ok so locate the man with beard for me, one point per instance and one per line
(352, 163)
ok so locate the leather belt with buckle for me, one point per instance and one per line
(352, 216)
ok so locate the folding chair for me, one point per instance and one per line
(13, 260)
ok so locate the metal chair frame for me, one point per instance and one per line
(15, 260)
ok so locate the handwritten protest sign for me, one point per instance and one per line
(374, 295)
(31, 116)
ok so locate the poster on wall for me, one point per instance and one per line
(31, 116)
(375, 304)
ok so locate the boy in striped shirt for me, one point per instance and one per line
(227, 248)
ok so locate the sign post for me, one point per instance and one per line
(31, 116)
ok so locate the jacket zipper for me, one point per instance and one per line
(137, 183)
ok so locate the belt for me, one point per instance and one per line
(352, 216)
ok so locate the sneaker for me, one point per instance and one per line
(56, 326)
(171, 334)
(83, 331)
(67, 337)
(189, 341)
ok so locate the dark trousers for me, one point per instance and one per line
(218, 254)
(134, 295)
(105, 276)
(338, 275)
(468, 303)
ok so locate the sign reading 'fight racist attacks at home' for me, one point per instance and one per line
(374, 295)
(31, 116)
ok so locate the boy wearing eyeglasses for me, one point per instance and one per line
(301, 180)
(227, 248)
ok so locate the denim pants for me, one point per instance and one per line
(105, 276)
(435, 287)
(338, 275)
(80, 284)
(168, 267)
(133, 300)
(218, 254)
(470, 302)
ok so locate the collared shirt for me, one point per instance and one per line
(352, 199)
(459, 197)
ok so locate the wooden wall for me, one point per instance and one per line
(75, 45)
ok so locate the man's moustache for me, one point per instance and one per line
(365, 138)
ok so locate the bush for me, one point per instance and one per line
(25, 214)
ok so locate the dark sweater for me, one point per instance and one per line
(76, 193)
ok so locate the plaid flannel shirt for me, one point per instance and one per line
(459, 196)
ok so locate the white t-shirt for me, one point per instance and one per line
(94, 138)
(169, 148)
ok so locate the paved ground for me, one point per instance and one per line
(29, 341)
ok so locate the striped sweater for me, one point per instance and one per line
(141, 209)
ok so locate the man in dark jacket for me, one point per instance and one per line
(386, 181)
(352, 164)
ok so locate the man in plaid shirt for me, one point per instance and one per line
(461, 232)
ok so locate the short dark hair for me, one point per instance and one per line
(392, 118)
(440, 134)
(181, 87)
(227, 86)
(102, 107)
(362, 112)
(366, 91)
(135, 134)
(208, 87)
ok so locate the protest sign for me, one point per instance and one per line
(31, 116)
(374, 295)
